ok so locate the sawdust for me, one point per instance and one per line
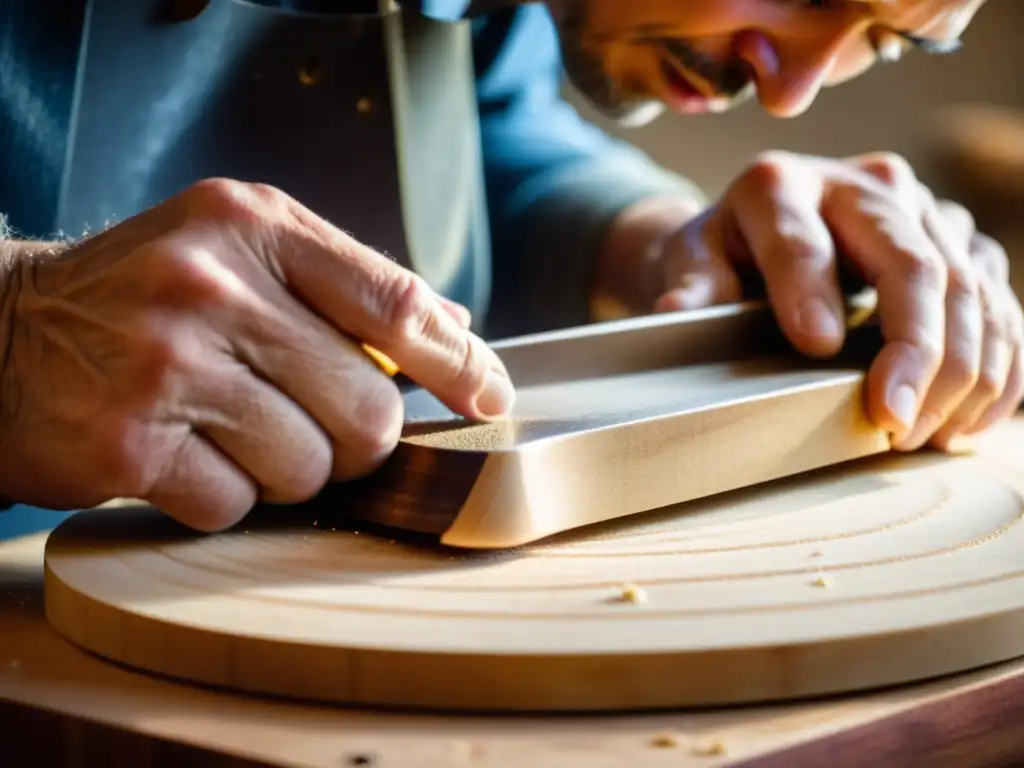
(466, 436)
(711, 749)
(666, 741)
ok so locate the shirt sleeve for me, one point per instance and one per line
(554, 181)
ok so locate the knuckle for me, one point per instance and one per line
(932, 351)
(189, 276)
(308, 476)
(956, 214)
(120, 455)
(997, 324)
(799, 253)
(892, 169)
(231, 200)
(161, 354)
(963, 284)
(767, 171)
(473, 369)
(377, 430)
(219, 197)
(409, 309)
(922, 268)
(990, 384)
(166, 365)
(962, 373)
(991, 255)
(925, 197)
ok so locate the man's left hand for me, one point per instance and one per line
(953, 329)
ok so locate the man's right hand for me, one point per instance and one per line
(206, 354)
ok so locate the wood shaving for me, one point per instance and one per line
(631, 593)
(711, 749)
(823, 582)
(666, 741)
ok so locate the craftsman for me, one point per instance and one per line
(204, 352)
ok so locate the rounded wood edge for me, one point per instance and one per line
(518, 497)
(440, 683)
(541, 683)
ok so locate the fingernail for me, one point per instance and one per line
(902, 404)
(816, 319)
(497, 397)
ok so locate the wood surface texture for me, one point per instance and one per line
(888, 570)
(617, 418)
(68, 707)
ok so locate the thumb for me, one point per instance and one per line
(697, 269)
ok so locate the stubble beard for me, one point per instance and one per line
(585, 71)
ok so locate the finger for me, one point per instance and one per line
(369, 297)
(698, 271)
(961, 363)
(996, 363)
(896, 174)
(201, 488)
(361, 292)
(1013, 393)
(1009, 402)
(999, 387)
(265, 433)
(353, 403)
(894, 253)
(777, 210)
(991, 259)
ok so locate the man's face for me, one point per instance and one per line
(632, 58)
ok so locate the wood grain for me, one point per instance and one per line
(887, 571)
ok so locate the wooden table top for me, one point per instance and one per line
(68, 707)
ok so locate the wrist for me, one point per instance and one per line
(628, 277)
(15, 257)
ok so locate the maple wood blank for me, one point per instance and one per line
(887, 570)
(619, 418)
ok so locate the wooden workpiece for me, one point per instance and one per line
(69, 707)
(888, 570)
(616, 418)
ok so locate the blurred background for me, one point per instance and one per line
(958, 119)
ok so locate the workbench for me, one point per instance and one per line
(62, 706)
